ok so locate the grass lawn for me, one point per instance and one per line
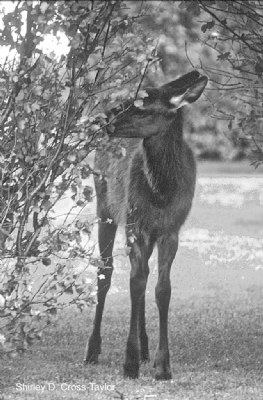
(216, 312)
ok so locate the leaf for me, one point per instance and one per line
(2, 301)
(95, 127)
(28, 159)
(209, 25)
(53, 311)
(2, 339)
(69, 290)
(46, 261)
(120, 94)
(43, 7)
(79, 289)
(65, 94)
(87, 193)
(193, 7)
(138, 103)
(208, 2)
(35, 107)
(41, 19)
(141, 57)
(80, 203)
(27, 108)
(183, 5)
(46, 205)
(85, 172)
(123, 151)
(102, 65)
(38, 90)
(259, 66)
(142, 94)
(71, 158)
(20, 96)
(127, 250)
(224, 56)
(76, 41)
(74, 188)
(21, 124)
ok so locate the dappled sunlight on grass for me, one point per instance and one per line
(230, 191)
(220, 248)
(226, 225)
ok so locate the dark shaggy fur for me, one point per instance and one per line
(150, 191)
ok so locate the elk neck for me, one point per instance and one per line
(163, 159)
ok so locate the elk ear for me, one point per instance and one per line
(191, 94)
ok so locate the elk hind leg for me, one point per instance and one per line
(141, 250)
(167, 248)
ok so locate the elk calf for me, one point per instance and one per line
(150, 190)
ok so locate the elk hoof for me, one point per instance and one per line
(162, 366)
(93, 351)
(91, 358)
(163, 376)
(131, 371)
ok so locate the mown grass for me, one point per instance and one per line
(227, 167)
(216, 325)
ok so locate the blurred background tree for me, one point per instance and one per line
(222, 39)
(232, 34)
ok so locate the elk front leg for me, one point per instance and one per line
(107, 233)
(167, 248)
